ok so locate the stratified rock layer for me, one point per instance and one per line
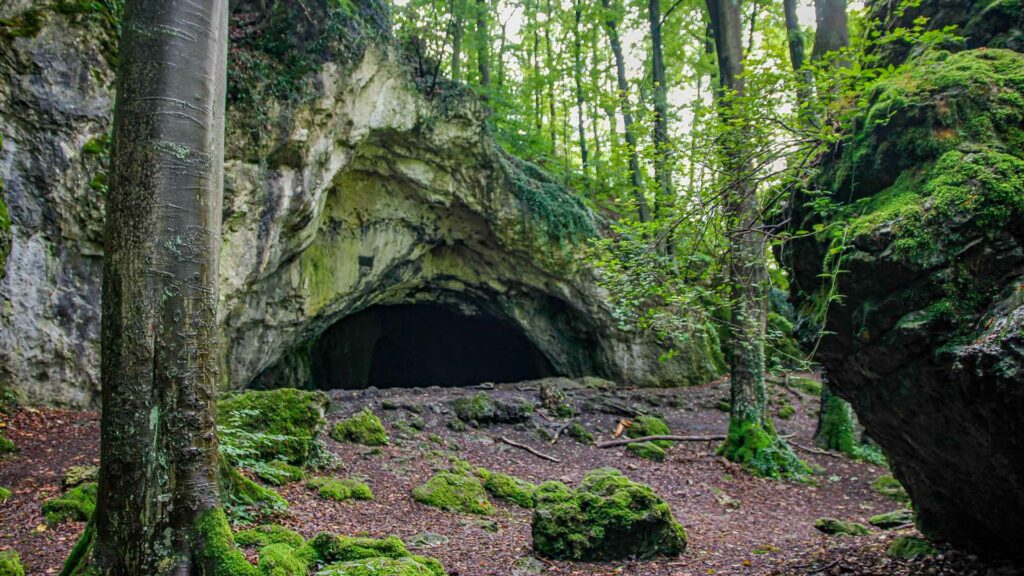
(927, 340)
(345, 188)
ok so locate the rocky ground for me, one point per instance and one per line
(737, 524)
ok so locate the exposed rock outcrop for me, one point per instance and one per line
(346, 188)
(927, 340)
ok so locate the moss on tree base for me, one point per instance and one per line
(761, 452)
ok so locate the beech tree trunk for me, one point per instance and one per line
(458, 29)
(833, 29)
(577, 43)
(662, 146)
(635, 178)
(158, 510)
(795, 37)
(483, 49)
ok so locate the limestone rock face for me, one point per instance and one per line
(363, 192)
(927, 341)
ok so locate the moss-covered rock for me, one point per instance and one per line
(78, 475)
(363, 427)
(288, 421)
(347, 555)
(76, 504)
(908, 548)
(455, 493)
(759, 449)
(269, 534)
(6, 445)
(10, 564)
(339, 489)
(786, 412)
(515, 490)
(650, 426)
(647, 451)
(608, 518)
(237, 490)
(893, 519)
(281, 560)
(834, 527)
(482, 410)
(5, 494)
(279, 472)
(577, 432)
(888, 486)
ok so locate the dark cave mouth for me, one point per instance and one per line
(417, 345)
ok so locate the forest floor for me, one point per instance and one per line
(736, 523)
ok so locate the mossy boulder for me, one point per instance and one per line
(281, 560)
(515, 490)
(923, 204)
(454, 493)
(482, 410)
(10, 564)
(834, 527)
(609, 517)
(78, 475)
(363, 427)
(894, 519)
(290, 419)
(579, 433)
(650, 426)
(348, 556)
(279, 472)
(909, 548)
(238, 490)
(761, 452)
(76, 504)
(647, 451)
(890, 487)
(339, 489)
(269, 534)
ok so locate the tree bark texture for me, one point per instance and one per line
(662, 146)
(160, 371)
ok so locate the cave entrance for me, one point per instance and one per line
(415, 345)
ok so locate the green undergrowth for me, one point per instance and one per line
(5, 495)
(339, 489)
(363, 427)
(609, 517)
(243, 498)
(762, 452)
(7, 445)
(263, 426)
(562, 213)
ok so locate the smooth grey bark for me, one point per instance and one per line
(833, 28)
(635, 178)
(795, 38)
(483, 48)
(662, 146)
(457, 31)
(159, 343)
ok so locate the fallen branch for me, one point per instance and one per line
(559, 431)
(814, 450)
(528, 449)
(625, 441)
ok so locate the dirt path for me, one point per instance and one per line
(736, 524)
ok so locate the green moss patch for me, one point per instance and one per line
(577, 432)
(647, 451)
(281, 560)
(78, 475)
(237, 491)
(909, 548)
(363, 427)
(5, 494)
(482, 410)
(340, 489)
(76, 504)
(6, 445)
(894, 519)
(10, 564)
(454, 493)
(279, 472)
(280, 424)
(834, 527)
(515, 490)
(650, 426)
(348, 556)
(269, 534)
(216, 551)
(888, 486)
(609, 517)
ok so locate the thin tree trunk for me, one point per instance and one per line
(752, 439)
(578, 76)
(833, 30)
(458, 30)
(158, 510)
(636, 180)
(483, 49)
(795, 37)
(662, 146)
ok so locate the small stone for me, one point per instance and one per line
(426, 540)
(527, 566)
(892, 519)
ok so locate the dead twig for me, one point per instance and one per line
(814, 450)
(559, 431)
(674, 438)
(529, 449)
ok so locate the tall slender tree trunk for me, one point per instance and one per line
(795, 37)
(833, 29)
(662, 146)
(549, 78)
(752, 439)
(483, 47)
(158, 511)
(458, 30)
(635, 178)
(577, 43)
